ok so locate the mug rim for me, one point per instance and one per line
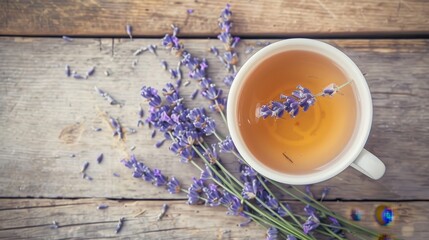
(364, 120)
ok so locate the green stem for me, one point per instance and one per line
(332, 233)
(281, 204)
(323, 209)
(220, 111)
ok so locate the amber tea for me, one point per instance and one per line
(310, 140)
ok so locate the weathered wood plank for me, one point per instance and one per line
(262, 18)
(45, 117)
(32, 218)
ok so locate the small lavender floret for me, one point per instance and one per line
(272, 233)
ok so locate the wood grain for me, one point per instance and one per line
(45, 117)
(32, 218)
(262, 18)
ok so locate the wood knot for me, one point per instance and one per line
(71, 134)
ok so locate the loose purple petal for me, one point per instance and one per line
(100, 158)
(120, 225)
(153, 134)
(159, 143)
(78, 76)
(90, 71)
(116, 175)
(190, 11)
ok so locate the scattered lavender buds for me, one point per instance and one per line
(100, 158)
(134, 63)
(67, 39)
(116, 175)
(67, 70)
(132, 148)
(163, 211)
(84, 167)
(187, 83)
(72, 155)
(120, 225)
(249, 50)
(159, 143)
(190, 11)
(107, 73)
(102, 206)
(54, 225)
(272, 233)
(141, 112)
(129, 29)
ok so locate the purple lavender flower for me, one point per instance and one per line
(311, 224)
(282, 212)
(272, 233)
(160, 180)
(277, 109)
(197, 185)
(102, 206)
(231, 57)
(212, 92)
(193, 197)
(219, 106)
(173, 186)
(151, 94)
(335, 224)
(251, 189)
(271, 202)
(330, 90)
(233, 203)
(229, 79)
(211, 154)
(227, 145)
(206, 174)
(213, 196)
(291, 237)
(265, 111)
(309, 210)
(190, 11)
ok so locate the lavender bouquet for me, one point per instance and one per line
(250, 195)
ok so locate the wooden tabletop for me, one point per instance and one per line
(47, 120)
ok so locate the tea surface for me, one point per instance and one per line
(310, 140)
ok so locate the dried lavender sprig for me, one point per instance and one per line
(120, 225)
(163, 211)
(300, 98)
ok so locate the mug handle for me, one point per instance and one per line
(370, 165)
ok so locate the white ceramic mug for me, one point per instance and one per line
(353, 154)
